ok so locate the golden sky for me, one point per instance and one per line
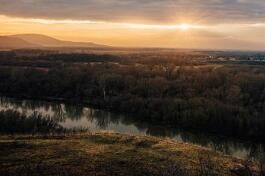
(168, 23)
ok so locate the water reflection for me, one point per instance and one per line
(14, 122)
(78, 117)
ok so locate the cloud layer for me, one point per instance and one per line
(152, 11)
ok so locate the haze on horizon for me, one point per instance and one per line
(212, 24)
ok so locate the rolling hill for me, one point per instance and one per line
(40, 41)
(9, 42)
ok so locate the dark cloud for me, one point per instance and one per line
(158, 11)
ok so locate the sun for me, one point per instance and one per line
(184, 27)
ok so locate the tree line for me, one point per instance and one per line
(224, 99)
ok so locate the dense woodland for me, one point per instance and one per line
(176, 89)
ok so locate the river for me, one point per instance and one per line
(71, 116)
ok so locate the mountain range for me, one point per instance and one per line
(20, 41)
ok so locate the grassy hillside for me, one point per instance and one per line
(105, 154)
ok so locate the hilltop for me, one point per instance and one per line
(108, 154)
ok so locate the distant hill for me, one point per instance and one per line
(40, 41)
(9, 42)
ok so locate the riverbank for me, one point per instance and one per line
(106, 154)
(102, 105)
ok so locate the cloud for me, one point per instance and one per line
(138, 11)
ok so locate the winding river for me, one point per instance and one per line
(71, 116)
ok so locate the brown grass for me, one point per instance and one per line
(106, 154)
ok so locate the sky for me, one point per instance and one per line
(203, 24)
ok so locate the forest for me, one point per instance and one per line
(191, 90)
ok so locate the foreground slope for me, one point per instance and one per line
(110, 154)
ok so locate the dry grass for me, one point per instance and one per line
(106, 154)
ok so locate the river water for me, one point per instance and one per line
(71, 116)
